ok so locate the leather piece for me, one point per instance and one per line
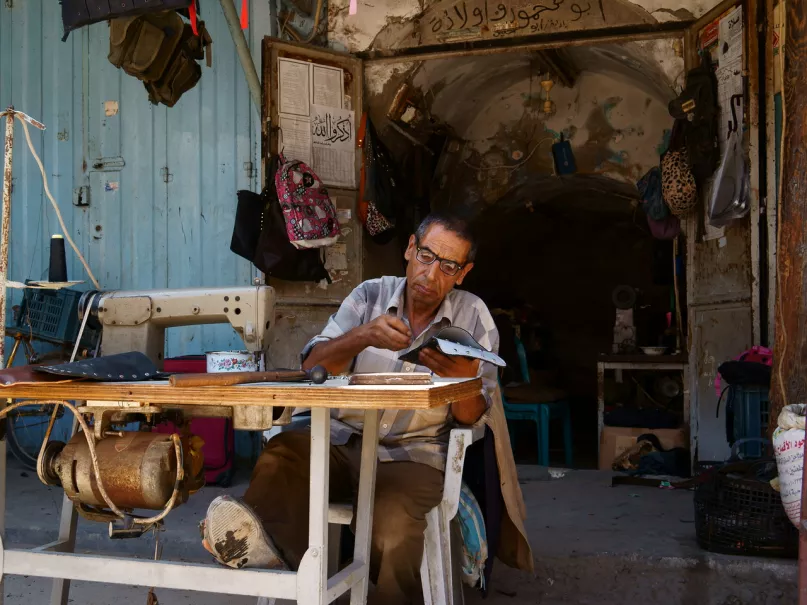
(124, 367)
(28, 375)
(450, 341)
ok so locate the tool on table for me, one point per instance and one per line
(388, 378)
(136, 320)
(317, 375)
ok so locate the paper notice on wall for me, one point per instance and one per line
(328, 86)
(294, 84)
(333, 139)
(731, 36)
(295, 138)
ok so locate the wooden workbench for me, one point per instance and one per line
(334, 393)
(311, 584)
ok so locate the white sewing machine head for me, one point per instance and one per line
(135, 320)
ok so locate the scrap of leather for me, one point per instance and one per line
(29, 375)
(123, 367)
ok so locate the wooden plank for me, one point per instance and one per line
(335, 393)
(789, 352)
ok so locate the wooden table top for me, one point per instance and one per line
(335, 393)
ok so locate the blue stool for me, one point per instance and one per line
(539, 413)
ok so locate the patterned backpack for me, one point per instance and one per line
(310, 216)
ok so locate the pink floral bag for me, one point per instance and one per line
(310, 215)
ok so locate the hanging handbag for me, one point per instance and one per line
(652, 203)
(677, 181)
(259, 235)
(378, 186)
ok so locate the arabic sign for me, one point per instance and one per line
(332, 128)
(333, 139)
(449, 20)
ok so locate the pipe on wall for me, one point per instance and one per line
(242, 49)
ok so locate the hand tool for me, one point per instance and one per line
(317, 375)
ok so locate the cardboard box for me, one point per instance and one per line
(617, 439)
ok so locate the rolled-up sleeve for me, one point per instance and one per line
(350, 315)
(487, 335)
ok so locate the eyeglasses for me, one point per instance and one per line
(427, 257)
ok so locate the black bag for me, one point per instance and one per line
(697, 108)
(78, 13)
(745, 373)
(382, 188)
(259, 235)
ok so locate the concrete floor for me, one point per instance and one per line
(592, 544)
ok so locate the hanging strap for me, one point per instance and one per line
(244, 14)
(194, 18)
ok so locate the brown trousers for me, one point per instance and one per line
(278, 492)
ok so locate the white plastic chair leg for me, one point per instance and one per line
(436, 571)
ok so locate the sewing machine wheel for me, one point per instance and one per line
(44, 465)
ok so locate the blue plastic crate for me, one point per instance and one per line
(51, 316)
(751, 405)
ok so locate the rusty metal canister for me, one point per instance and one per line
(138, 470)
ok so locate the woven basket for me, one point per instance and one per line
(737, 512)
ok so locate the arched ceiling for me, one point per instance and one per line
(457, 89)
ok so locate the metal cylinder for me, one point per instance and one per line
(138, 470)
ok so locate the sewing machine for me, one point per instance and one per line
(151, 470)
(136, 320)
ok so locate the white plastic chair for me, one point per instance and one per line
(436, 571)
(436, 568)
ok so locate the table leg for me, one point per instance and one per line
(312, 575)
(2, 508)
(68, 523)
(364, 503)
(600, 403)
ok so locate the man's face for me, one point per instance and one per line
(429, 284)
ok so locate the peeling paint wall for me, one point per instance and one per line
(615, 128)
(615, 117)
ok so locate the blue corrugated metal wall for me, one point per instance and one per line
(165, 218)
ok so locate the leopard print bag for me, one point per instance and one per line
(677, 181)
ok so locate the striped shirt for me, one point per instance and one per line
(406, 435)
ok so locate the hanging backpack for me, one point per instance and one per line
(161, 50)
(259, 235)
(661, 223)
(564, 157)
(78, 13)
(652, 203)
(310, 216)
(698, 110)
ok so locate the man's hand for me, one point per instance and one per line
(448, 367)
(387, 332)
